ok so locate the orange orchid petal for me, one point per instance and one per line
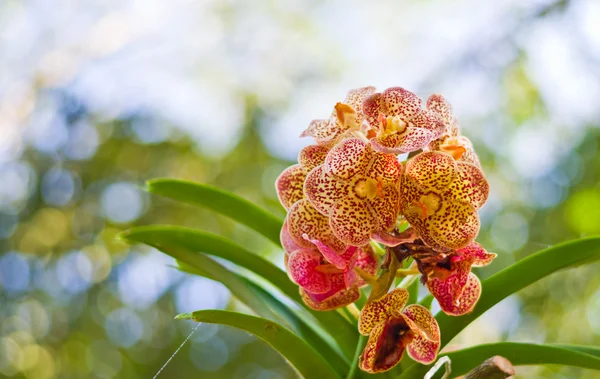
(385, 346)
(348, 158)
(400, 102)
(289, 185)
(323, 190)
(312, 156)
(302, 269)
(351, 221)
(425, 344)
(303, 219)
(377, 311)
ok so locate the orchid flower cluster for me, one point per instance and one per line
(350, 196)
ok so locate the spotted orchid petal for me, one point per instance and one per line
(455, 225)
(400, 102)
(478, 254)
(387, 239)
(290, 184)
(323, 190)
(385, 208)
(378, 310)
(303, 219)
(430, 121)
(425, 344)
(303, 268)
(471, 186)
(440, 197)
(438, 104)
(467, 300)
(356, 97)
(412, 139)
(323, 131)
(385, 169)
(348, 158)
(341, 261)
(312, 156)
(431, 170)
(367, 261)
(338, 296)
(448, 284)
(288, 243)
(351, 221)
(441, 106)
(385, 346)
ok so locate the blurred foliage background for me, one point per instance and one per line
(98, 96)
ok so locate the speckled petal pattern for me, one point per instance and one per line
(348, 158)
(289, 185)
(425, 345)
(377, 311)
(312, 156)
(303, 270)
(303, 219)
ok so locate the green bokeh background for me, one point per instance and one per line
(97, 97)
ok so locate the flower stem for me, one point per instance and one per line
(362, 341)
(353, 309)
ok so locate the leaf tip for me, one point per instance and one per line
(184, 316)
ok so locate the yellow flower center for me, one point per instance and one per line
(367, 188)
(453, 147)
(393, 124)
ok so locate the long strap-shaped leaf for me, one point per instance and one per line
(200, 241)
(291, 319)
(301, 355)
(217, 272)
(518, 276)
(193, 241)
(519, 354)
(224, 202)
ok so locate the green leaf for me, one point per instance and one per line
(200, 241)
(214, 270)
(223, 202)
(327, 349)
(308, 331)
(518, 276)
(413, 291)
(164, 236)
(301, 355)
(518, 354)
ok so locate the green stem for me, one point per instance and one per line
(362, 341)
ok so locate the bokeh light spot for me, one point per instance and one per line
(124, 327)
(122, 202)
(583, 211)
